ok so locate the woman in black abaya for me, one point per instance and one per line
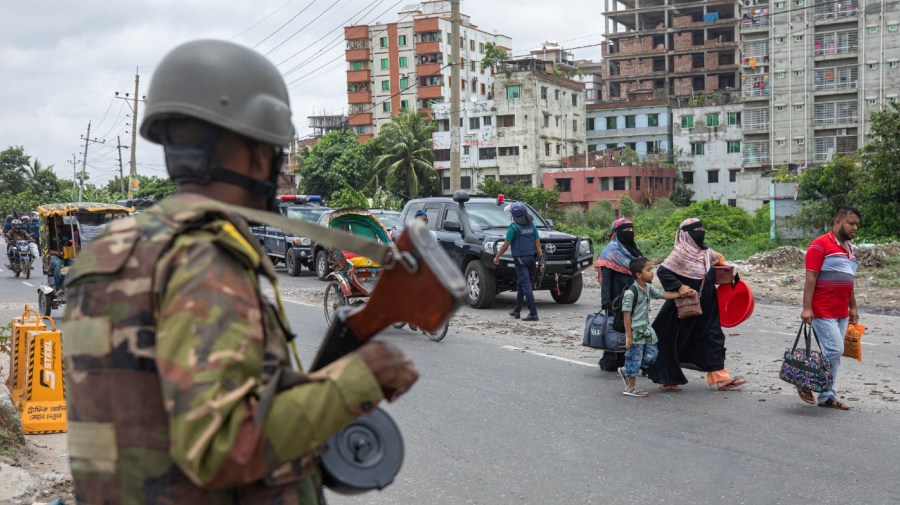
(697, 342)
(615, 277)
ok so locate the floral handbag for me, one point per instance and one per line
(807, 369)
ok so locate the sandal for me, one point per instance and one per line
(806, 395)
(673, 389)
(733, 384)
(635, 391)
(831, 403)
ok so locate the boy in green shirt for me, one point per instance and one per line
(640, 339)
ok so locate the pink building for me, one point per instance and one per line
(606, 178)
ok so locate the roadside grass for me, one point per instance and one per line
(887, 276)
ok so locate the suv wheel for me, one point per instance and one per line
(481, 285)
(322, 266)
(292, 263)
(569, 292)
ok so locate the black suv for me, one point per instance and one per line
(295, 252)
(471, 230)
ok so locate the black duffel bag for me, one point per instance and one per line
(599, 333)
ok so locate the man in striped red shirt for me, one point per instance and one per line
(828, 301)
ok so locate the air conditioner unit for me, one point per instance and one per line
(748, 3)
(842, 132)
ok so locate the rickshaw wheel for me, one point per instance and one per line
(45, 303)
(334, 298)
(438, 335)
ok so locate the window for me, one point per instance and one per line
(483, 90)
(472, 68)
(401, 40)
(630, 121)
(872, 101)
(798, 38)
(872, 66)
(779, 40)
(798, 73)
(404, 104)
(385, 64)
(779, 108)
(466, 150)
(697, 148)
(472, 45)
(486, 120)
(687, 177)
(892, 28)
(385, 85)
(557, 148)
(873, 29)
(386, 106)
(507, 121)
(892, 99)
(557, 121)
(798, 3)
(779, 75)
(780, 142)
(574, 100)
(556, 94)
(892, 64)
(360, 130)
(712, 120)
(564, 185)
(403, 62)
(687, 122)
(384, 41)
(513, 92)
(546, 149)
(487, 153)
(589, 124)
(779, 5)
(798, 106)
(611, 123)
(356, 65)
(732, 202)
(652, 119)
(732, 175)
(465, 182)
(637, 182)
(619, 183)
(544, 92)
(546, 120)
(734, 118)
(509, 151)
(800, 141)
(404, 82)
(592, 148)
(734, 146)
(604, 184)
(474, 123)
(442, 155)
(574, 125)
(481, 47)
(712, 176)
(590, 180)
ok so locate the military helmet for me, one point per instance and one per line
(222, 83)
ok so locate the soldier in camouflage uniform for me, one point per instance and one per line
(179, 384)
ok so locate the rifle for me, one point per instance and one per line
(538, 277)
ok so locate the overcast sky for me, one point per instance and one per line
(61, 61)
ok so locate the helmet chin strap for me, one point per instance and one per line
(196, 164)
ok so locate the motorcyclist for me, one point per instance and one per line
(17, 233)
(32, 227)
(7, 227)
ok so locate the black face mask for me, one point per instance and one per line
(698, 236)
(626, 237)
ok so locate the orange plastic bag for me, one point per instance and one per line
(852, 341)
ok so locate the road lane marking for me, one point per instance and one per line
(301, 303)
(567, 360)
(778, 333)
(28, 284)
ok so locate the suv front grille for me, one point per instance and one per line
(565, 250)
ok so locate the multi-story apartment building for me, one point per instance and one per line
(669, 48)
(534, 121)
(814, 72)
(405, 64)
(644, 127)
(589, 73)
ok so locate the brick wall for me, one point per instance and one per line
(712, 61)
(683, 84)
(683, 40)
(683, 63)
(683, 21)
(712, 82)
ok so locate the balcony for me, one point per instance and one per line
(427, 69)
(356, 32)
(427, 25)
(835, 11)
(357, 54)
(354, 97)
(432, 47)
(359, 75)
(361, 119)
(426, 92)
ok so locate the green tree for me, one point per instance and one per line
(878, 187)
(336, 159)
(681, 195)
(493, 55)
(407, 157)
(545, 201)
(14, 168)
(825, 188)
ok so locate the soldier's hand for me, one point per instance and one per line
(393, 370)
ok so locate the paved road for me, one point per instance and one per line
(487, 424)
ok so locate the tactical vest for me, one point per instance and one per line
(118, 427)
(523, 242)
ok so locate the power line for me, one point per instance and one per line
(313, 20)
(310, 4)
(254, 25)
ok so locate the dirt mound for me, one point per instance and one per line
(786, 256)
(877, 256)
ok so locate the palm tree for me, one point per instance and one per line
(409, 156)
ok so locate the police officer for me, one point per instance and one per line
(526, 247)
(177, 390)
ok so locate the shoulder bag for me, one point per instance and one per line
(690, 306)
(804, 368)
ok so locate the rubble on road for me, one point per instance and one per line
(781, 257)
(877, 256)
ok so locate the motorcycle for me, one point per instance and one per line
(20, 261)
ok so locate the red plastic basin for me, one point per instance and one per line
(735, 303)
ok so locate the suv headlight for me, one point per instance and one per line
(584, 246)
(302, 241)
(489, 246)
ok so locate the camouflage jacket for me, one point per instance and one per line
(173, 360)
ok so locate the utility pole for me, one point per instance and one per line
(455, 103)
(121, 174)
(87, 141)
(134, 126)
